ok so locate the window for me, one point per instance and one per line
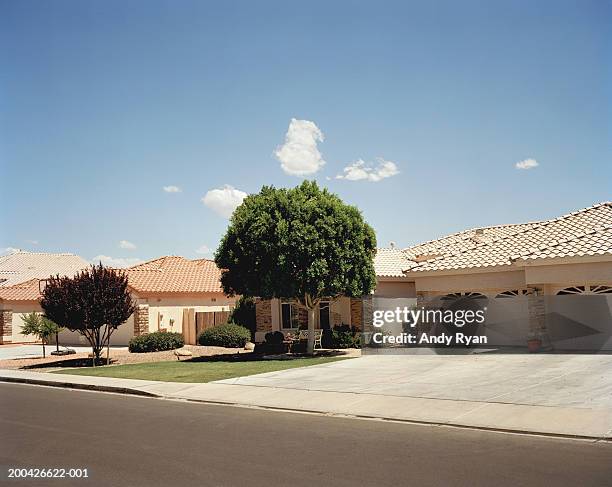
(324, 315)
(455, 296)
(594, 289)
(511, 294)
(289, 315)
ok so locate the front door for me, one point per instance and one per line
(324, 321)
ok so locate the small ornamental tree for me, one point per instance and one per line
(303, 243)
(94, 303)
(39, 326)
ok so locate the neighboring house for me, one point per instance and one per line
(22, 266)
(173, 294)
(188, 292)
(571, 254)
(19, 288)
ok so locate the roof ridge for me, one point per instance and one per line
(533, 222)
(536, 226)
(473, 229)
(135, 266)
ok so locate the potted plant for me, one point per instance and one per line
(534, 343)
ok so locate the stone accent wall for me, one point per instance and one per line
(263, 315)
(141, 319)
(537, 311)
(6, 326)
(357, 313)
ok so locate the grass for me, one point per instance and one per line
(196, 371)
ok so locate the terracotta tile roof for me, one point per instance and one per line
(23, 266)
(594, 242)
(173, 274)
(24, 291)
(390, 262)
(565, 236)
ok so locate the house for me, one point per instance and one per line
(19, 286)
(528, 262)
(171, 293)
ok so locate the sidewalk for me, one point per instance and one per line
(591, 423)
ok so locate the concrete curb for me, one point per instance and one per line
(77, 385)
(177, 396)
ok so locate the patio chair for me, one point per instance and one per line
(318, 335)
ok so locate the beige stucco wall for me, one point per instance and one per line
(563, 275)
(395, 289)
(171, 307)
(490, 282)
(120, 337)
(19, 308)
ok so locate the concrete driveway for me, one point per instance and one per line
(563, 380)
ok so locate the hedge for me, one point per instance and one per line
(156, 342)
(228, 335)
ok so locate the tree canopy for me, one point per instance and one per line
(95, 298)
(303, 243)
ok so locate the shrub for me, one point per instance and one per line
(345, 336)
(244, 314)
(274, 337)
(156, 342)
(229, 335)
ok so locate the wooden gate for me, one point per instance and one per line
(195, 323)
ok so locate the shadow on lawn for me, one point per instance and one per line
(68, 363)
(256, 357)
(234, 357)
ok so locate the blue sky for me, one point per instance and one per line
(105, 103)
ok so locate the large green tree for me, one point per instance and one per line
(302, 243)
(93, 303)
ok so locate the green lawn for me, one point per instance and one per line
(196, 371)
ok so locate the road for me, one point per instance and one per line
(133, 441)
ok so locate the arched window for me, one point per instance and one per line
(593, 289)
(511, 294)
(470, 295)
(601, 289)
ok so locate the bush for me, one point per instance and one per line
(244, 314)
(229, 335)
(345, 336)
(156, 342)
(274, 337)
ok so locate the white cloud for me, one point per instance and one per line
(172, 189)
(527, 164)
(204, 250)
(124, 244)
(117, 262)
(32, 242)
(224, 200)
(9, 250)
(359, 171)
(299, 155)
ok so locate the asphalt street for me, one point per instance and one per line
(132, 441)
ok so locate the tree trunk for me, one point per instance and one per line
(311, 331)
(57, 341)
(109, 332)
(43, 344)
